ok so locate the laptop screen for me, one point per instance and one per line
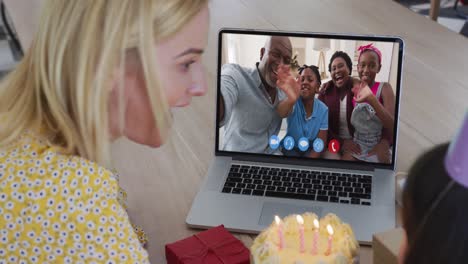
(308, 96)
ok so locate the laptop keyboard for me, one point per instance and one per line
(346, 188)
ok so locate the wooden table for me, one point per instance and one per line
(161, 183)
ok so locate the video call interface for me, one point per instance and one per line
(317, 98)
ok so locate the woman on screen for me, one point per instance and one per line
(337, 95)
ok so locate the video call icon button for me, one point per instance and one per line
(318, 145)
(334, 146)
(303, 144)
(288, 143)
(274, 142)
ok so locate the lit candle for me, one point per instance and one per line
(316, 234)
(300, 221)
(330, 238)
(280, 231)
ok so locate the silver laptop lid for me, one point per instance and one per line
(266, 112)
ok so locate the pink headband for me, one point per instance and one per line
(363, 48)
(456, 161)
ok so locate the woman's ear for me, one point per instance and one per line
(122, 79)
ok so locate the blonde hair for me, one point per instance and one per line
(62, 84)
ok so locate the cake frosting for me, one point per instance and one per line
(344, 247)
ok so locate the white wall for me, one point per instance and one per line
(25, 15)
(244, 49)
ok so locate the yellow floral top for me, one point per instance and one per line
(56, 208)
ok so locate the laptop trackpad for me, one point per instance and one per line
(270, 209)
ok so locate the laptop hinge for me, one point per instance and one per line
(329, 164)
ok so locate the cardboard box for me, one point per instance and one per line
(386, 246)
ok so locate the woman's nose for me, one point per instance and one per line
(198, 89)
(199, 86)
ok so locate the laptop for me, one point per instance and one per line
(254, 177)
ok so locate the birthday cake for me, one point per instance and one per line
(298, 239)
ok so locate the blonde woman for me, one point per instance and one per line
(97, 70)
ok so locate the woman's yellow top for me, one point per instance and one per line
(57, 208)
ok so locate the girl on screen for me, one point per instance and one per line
(374, 106)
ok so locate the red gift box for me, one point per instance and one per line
(213, 246)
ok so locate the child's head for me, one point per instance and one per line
(439, 237)
(369, 63)
(435, 205)
(310, 81)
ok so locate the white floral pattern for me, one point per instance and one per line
(56, 208)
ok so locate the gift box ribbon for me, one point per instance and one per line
(213, 249)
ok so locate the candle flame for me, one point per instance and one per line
(299, 219)
(330, 230)
(277, 220)
(316, 224)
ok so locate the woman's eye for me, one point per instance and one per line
(186, 65)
